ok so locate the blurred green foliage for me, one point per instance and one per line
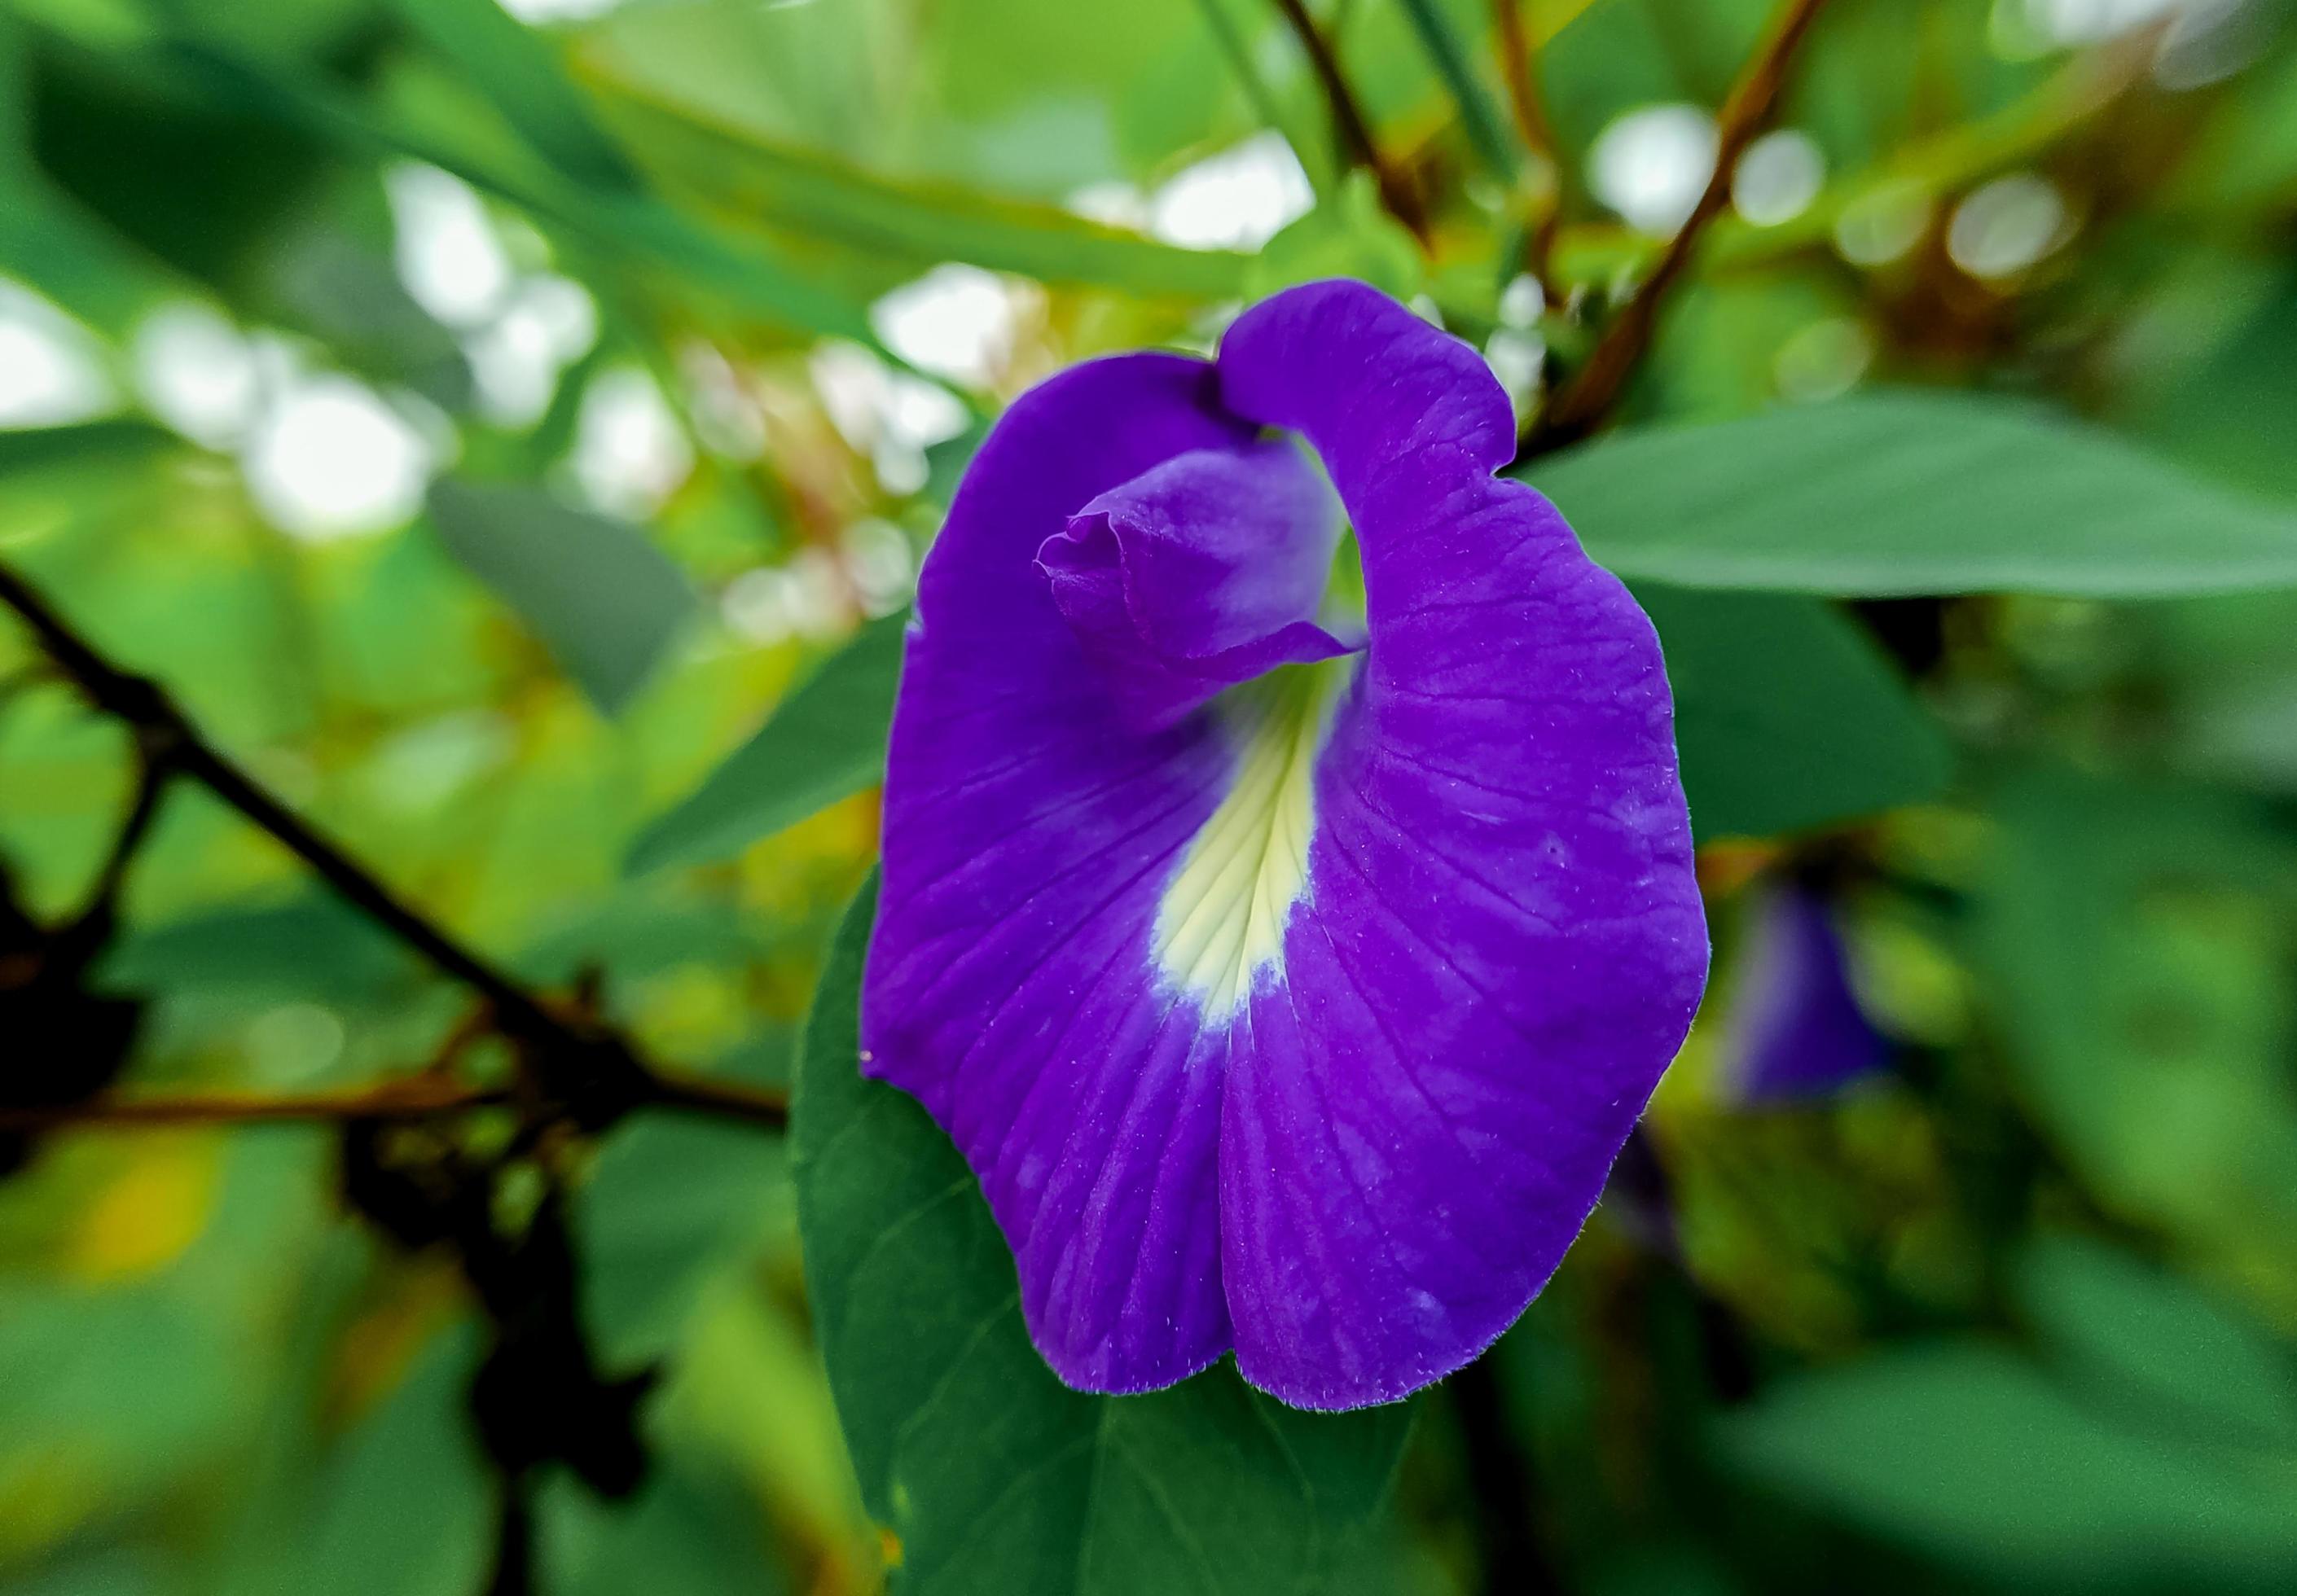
(511, 434)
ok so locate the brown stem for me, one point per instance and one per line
(415, 1096)
(1583, 404)
(599, 1063)
(1519, 67)
(1348, 121)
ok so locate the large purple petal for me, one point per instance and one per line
(1500, 944)
(1202, 572)
(1027, 834)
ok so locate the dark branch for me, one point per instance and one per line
(1583, 404)
(1348, 121)
(416, 1096)
(593, 1068)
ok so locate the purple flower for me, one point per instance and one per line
(1290, 985)
(1797, 1030)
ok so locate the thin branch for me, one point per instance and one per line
(153, 766)
(414, 1097)
(1519, 67)
(1583, 405)
(592, 1063)
(1355, 138)
(686, 1091)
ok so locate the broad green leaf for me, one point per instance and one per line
(824, 742)
(2174, 1354)
(743, 272)
(1450, 56)
(668, 1201)
(517, 68)
(2229, 417)
(684, 1531)
(602, 599)
(1967, 1453)
(1036, 97)
(820, 197)
(1348, 235)
(1786, 715)
(95, 448)
(2126, 937)
(402, 1509)
(1899, 493)
(313, 945)
(995, 1476)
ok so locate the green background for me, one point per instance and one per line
(498, 435)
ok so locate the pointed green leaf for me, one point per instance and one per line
(602, 599)
(2169, 1352)
(1898, 493)
(1966, 1452)
(824, 742)
(517, 68)
(993, 1475)
(819, 197)
(1451, 57)
(1786, 715)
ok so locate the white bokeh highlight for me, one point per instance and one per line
(197, 373)
(1650, 166)
(52, 371)
(957, 322)
(1778, 177)
(631, 453)
(330, 458)
(2007, 226)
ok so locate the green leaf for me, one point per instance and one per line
(826, 741)
(2122, 938)
(516, 69)
(1349, 235)
(994, 1475)
(1967, 1453)
(820, 197)
(2141, 1334)
(313, 945)
(743, 271)
(95, 448)
(602, 599)
(684, 1531)
(402, 1509)
(1451, 57)
(1899, 493)
(668, 1202)
(1786, 715)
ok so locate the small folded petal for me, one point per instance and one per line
(1308, 1025)
(1797, 1031)
(1203, 571)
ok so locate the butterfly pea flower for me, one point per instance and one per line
(1798, 1032)
(1289, 977)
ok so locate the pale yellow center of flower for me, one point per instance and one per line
(1221, 919)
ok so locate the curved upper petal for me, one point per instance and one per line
(1499, 943)
(1202, 572)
